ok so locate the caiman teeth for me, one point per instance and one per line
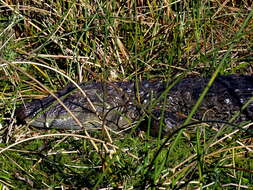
(47, 125)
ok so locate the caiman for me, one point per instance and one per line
(118, 105)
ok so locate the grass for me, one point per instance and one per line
(51, 42)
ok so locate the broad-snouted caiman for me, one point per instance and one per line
(119, 104)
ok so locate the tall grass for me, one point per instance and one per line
(119, 41)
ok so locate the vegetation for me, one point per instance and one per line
(45, 41)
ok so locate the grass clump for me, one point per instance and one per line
(119, 41)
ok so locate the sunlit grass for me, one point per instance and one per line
(46, 45)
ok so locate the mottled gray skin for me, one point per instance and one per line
(119, 104)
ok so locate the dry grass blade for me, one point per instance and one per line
(69, 135)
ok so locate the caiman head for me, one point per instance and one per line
(112, 109)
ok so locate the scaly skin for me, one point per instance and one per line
(119, 104)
